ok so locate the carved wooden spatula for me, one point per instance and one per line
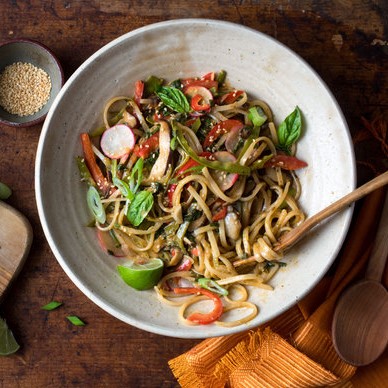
(15, 243)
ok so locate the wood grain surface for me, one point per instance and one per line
(15, 242)
(345, 41)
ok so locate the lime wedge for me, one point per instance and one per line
(8, 344)
(143, 275)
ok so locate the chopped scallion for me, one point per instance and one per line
(52, 305)
(95, 205)
(75, 320)
(212, 285)
(257, 116)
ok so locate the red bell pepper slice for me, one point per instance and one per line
(145, 149)
(220, 129)
(207, 83)
(231, 97)
(286, 162)
(203, 318)
(220, 215)
(195, 251)
(91, 163)
(139, 90)
(189, 164)
(180, 173)
(209, 76)
(198, 103)
(185, 265)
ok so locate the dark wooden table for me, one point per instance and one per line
(345, 41)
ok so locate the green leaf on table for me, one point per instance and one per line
(76, 321)
(5, 191)
(8, 344)
(52, 305)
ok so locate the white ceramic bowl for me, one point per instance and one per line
(179, 48)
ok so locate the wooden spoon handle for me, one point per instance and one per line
(289, 239)
(378, 257)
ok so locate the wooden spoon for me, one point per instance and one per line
(292, 237)
(360, 322)
(15, 243)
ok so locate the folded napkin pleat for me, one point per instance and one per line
(295, 349)
(265, 359)
(318, 346)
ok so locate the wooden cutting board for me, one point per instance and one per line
(15, 243)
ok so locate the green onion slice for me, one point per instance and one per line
(52, 305)
(95, 205)
(75, 320)
(212, 286)
(257, 116)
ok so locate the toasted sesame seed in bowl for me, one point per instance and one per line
(30, 78)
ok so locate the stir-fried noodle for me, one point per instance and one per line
(206, 183)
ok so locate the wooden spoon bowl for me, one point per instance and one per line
(15, 243)
(360, 321)
(360, 328)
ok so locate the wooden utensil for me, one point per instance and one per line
(292, 237)
(360, 321)
(15, 243)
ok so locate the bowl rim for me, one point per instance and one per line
(95, 298)
(61, 74)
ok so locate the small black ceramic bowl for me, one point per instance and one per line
(39, 56)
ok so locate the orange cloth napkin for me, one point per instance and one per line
(295, 349)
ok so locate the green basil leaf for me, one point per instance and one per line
(5, 191)
(151, 85)
(290, 130)
(140, 207)
(75, 320)
(123, 187)
(174, 99)
(52, 305)
(136, 176)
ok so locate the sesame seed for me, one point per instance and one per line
(24, 88)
